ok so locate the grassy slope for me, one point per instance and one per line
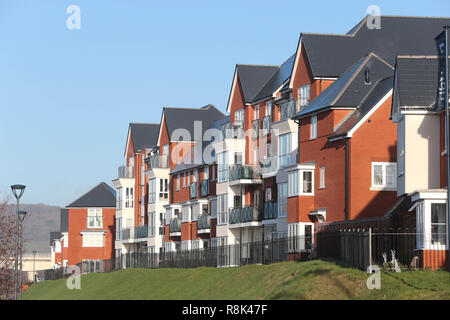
(290, 280)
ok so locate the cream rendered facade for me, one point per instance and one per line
(156, 211)
(124, 215)
(418, 150)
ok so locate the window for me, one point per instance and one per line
(151, 224)
(268, 194)
(91, 239)
(213, 173)
(300, 237)
(213, 208)
(94, 218)
(239, 116)
(303, 96)
(307, 182)
(185, 213)
(293, 183)
(188, 178)
(300, 182)
(118, 228)
(269, 108)
(313, 127)
(194, 176)
(161, 223)
(322, 178)
(129, 199)
(384, 175)
(178, 182)
(152, 191)
(438, 224)
(256, 112)
(282, 200)
(184, 179)
(206, 173)
(222, 207)
(222, 167)
(284, 150)
(256, 199)
(163, 189)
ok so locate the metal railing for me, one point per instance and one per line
(239, 171)
(175, 225)
(126, 234)
(255, 127)
(270, 210)
(245, 214)
(266, 125)
(193, 190)
(125, 172)
(204, 188)
(141, 232)
(157, 161)
(269, 164)
(204, 222)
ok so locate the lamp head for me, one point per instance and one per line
(22, 215)
(18, 190)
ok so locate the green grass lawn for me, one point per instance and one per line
(288, 280)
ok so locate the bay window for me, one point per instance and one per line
(163, 189)
(222, 167)
(300, 182)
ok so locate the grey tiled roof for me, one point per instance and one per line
(55, 235)
(101, 196)
(144, 135)
(350, 90)
(64, 220)
(183, 118)
(416, 81)
(331, 55)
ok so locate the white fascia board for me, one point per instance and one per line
(369, 114)
(297, 58)
(233, 86)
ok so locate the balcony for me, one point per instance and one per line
(193, 190)
(269, 165)
(247, 215)
(204, 223)
(288, 109)
(125, 172)
(270, 210)
(244, 174)
(204, 188)
(237, 130)
(175, 227)
(141, 232)
(157, 162)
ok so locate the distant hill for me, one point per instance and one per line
(40, 220)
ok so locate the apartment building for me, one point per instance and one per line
(348, 160)
(420, 121)
(190, 214)
(131, 185)
(87, 233)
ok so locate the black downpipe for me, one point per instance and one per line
(347, 178)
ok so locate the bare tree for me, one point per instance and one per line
(8, 223)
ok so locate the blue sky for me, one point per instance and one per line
(67, 96)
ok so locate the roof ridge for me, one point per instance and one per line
(152, 123)
(101, 183)
(372, 54)
(258, 65)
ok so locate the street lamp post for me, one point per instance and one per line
(34, 265)
(22, 215)
(17, 190)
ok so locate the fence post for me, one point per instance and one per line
(370, 250)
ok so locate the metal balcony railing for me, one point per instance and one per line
(237, 130)
(193, 190)
(126, 233)
(269, 164)
(141, 232)
(238, 172)
(288, 109)
(175, 225)
(245, 214)
(204, 188)
(157, 161)
(204, 221)
(125, 172)
(270, 210)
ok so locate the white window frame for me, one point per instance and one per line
(288, 149)
(256, 109)
(95, 215)
(322, 178)
(302, 191)
(178, 182)
(383, 186)
(152, 190)
(282, 200)
(313, 127)
(88, 244)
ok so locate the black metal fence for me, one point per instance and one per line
(359, 249)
